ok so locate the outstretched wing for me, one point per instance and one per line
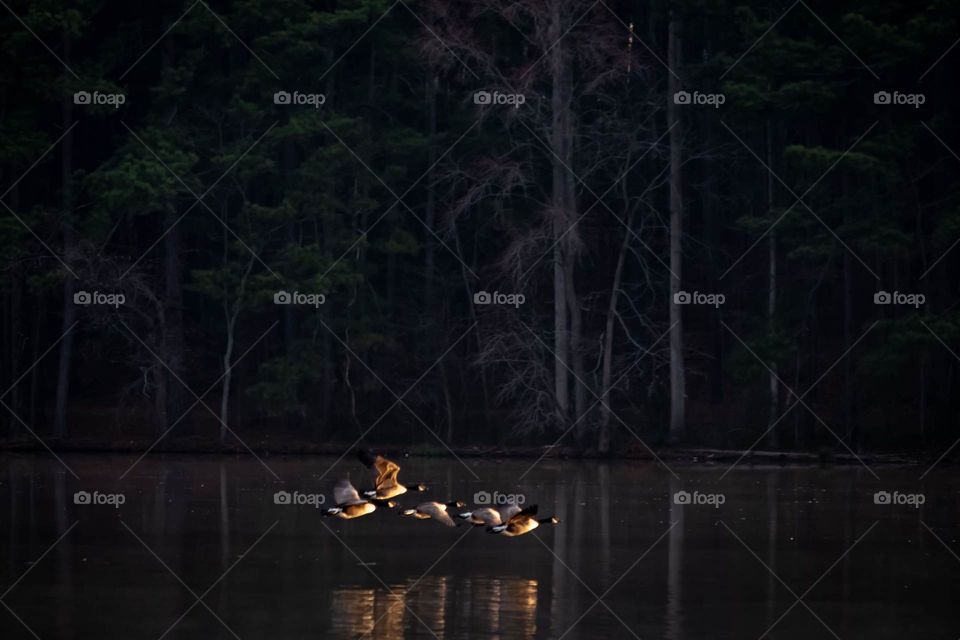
(438, 512)
(345, 493)
(387, 471)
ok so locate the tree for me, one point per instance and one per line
(678, 398)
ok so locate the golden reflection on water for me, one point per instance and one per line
(499, 608)
(359, 611)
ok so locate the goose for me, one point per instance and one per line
(349, 503)
(489, 516)
(522, 522)
(434, 510)
(385, 483)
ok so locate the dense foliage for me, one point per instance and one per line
(340, 150)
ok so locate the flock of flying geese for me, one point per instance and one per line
(508, 520)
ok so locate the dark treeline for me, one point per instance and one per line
(187, 168)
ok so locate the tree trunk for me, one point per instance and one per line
(429, 315)
(173, 339)
(39, 320)
(850, 427)
(677, 382)
(430, 211)
(231, 313)
(580, 391)
(573, 302)
(12, 346)
(603, 439)
(227, 372)
(774, 389)
(711, 241)
(560, 105)
(849, 423)
(69, 284)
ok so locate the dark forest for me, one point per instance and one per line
(611, 226)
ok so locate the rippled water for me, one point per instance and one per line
(200, 549)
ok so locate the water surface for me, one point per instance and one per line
(200, 549)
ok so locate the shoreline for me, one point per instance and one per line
(686, 455)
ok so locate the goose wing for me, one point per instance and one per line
(438, 512)
(487, 516)
(523, 515)
(387, 471)
(345, 493)
(384, 471)
(507, 512)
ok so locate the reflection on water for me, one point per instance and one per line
(504, 607)
(362, 611)
(486, 607)
(205, 526)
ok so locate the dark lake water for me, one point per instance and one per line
(200, 549)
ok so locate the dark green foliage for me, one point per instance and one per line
(302, 199)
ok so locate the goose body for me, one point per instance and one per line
(386, 485)
(488, 516)
(349, 503)
(522, 522)
(433, 510)
(350, 511)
